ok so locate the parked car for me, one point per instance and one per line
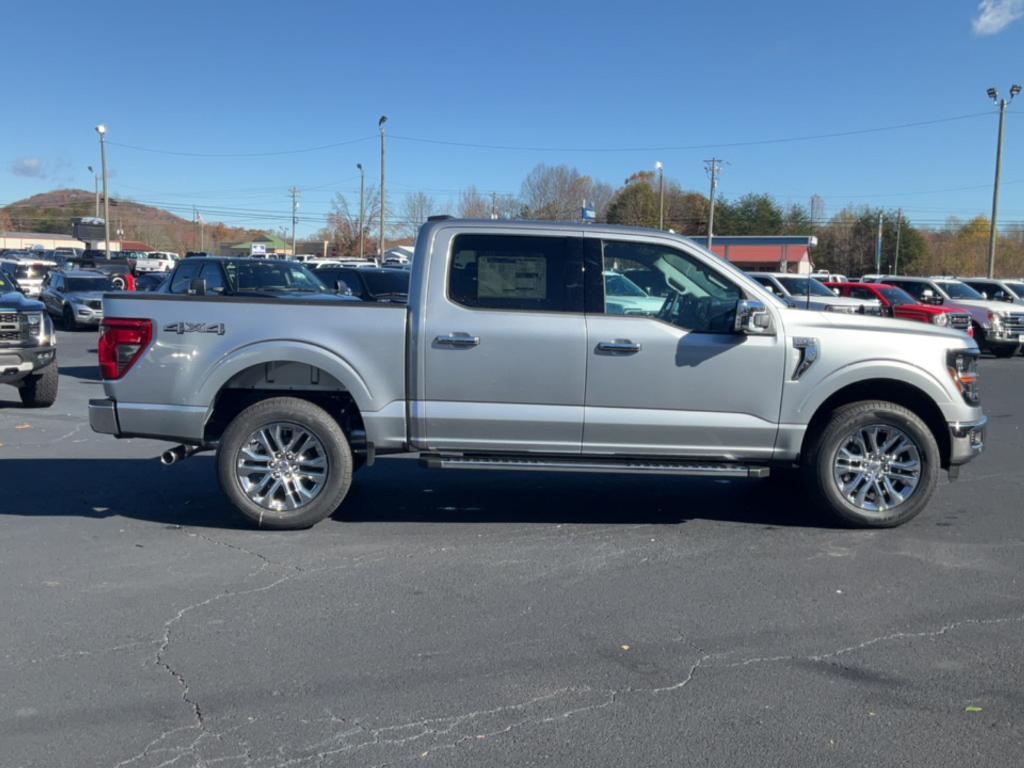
(508, 357)
(829, 277)
(156, 261)
(803, 292)
(119, 270)
(29, 272)
(381, 285)
(998, 328)
(1010, 291)
(898, 303)
(624, 297)
(28, 347)
(255, 278)
(76, 297)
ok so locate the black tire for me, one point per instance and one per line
(1003, 350)
(823, 449)
(68, 316)
(40, 389)
(309, 417)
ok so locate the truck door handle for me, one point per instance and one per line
(619, 347)
(457, 340)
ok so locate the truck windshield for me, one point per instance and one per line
(897, 297)
(803, 286)
(1017, 288)
(954, 289)
(272, 277)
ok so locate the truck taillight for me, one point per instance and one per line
(122, 342)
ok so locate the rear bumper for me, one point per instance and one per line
(183, 423)
(103, 417)
(966, 441)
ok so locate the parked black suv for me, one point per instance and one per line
(28, 347)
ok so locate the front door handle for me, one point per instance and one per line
(457, 340)
(619, 347)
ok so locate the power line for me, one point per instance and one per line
(241, 154)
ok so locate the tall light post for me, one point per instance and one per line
(661, 194)
(96, 188)
(380, 125)
(102, 131)
(362, 206)
(992, 232)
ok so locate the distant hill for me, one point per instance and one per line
(53, 211)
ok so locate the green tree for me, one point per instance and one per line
(753, 214)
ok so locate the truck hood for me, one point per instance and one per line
(805, 322)
(15, 302)
(996, 307)
(80, 296)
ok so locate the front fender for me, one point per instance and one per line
(263, 352)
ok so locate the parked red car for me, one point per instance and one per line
(899, 304)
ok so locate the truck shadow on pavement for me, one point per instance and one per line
(398, 491)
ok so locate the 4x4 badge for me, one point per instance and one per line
(183, 327)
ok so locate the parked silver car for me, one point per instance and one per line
(802, 292)
(76, 297)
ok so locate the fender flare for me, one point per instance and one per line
(262, 352)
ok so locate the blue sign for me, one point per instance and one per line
(589, 214)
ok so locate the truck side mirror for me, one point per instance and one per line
(753, 318)
(197, 287)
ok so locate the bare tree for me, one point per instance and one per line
(473, 205)
(344, 227)
(416, 207)
(558, 192)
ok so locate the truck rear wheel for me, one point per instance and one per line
(284, 463)
(875, 464)
(40, 389)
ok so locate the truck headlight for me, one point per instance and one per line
(941, 319)
(994, 320)
(962, 365)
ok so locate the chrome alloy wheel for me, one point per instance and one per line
(877, 467)
(282, 466)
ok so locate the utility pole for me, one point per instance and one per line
(712, 166)
(295, 215)
(202, 232)
(195, 228)
(380, 125)
(993, 232)
(878, 246)
(899, 226)
(362, 208)
(102, 131)
(661, 194)
(494, 205)
(96, 189)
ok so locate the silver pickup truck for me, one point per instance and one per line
(507, 357)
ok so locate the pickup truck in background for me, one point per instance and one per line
(155, 261)
(511, 356)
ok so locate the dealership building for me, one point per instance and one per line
(770, 253)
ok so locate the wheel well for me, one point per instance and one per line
(305, 382)
(894, 391)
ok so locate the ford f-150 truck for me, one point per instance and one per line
(507, 357)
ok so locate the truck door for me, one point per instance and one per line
(502, 344)
(671, 377)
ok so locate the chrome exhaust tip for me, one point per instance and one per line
(173, 455)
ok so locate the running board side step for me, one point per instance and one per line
(611, 465)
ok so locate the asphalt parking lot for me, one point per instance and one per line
(463, 619)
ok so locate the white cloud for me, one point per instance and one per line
(31, 167)
(996, 15)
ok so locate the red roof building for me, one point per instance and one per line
(769, 253)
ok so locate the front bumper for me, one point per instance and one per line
(18, 362)
(86, 315)
(966, 441)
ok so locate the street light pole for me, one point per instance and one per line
(380, 125)
(993, 232)
(96, 188)
(661, 194)
(362, 206)
(712, 166)
(899, 226)
(102, 131)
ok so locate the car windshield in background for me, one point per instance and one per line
(617, 285)
(803, 286)
(1017, 288)
(381, 283)
(958, 290)
(896, 296)
(271, 276)
(86, 284)
(30, 271)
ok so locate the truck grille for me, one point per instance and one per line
(8, 318)
(10, 335)
(959, 321)
(1014, 322)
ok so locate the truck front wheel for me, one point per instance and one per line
(874, 464)
(40, 389)
(284, 463)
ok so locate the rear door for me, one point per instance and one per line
(678, 381)
(503, 343)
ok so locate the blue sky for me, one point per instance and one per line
(224, 77)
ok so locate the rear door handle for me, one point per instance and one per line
(619, 347)
(457, 340)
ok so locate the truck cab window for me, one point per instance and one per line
(679, 289)
(516, 272)
(183, 277)
(214, 277)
